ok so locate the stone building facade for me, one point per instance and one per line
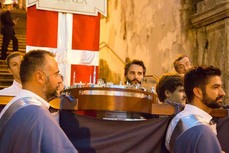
(158, 31)
(154, 31)
(211, 22)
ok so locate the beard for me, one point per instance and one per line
(212, 103)
(134, 81)
(50, 91)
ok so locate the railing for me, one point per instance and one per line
(103, 45)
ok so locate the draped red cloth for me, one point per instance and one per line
(42, 31)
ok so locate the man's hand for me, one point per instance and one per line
(15, 20)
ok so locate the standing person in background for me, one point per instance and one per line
(39, 132)
(13, 62)
(192, 130)
(182, 64)
(7, 29)
(134, 72)
(170, 89)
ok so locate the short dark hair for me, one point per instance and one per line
(136, 62)
(168, 82)
(178, 59)
(12, 55)
(198, 77)
(32, 60)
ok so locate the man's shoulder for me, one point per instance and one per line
(200, 130)
(7, 91)
(35, 114)
(182, 122)
(177, 118)
(199, 134)
(199, 138)
(11, 90)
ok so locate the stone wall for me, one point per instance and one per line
(155, 31)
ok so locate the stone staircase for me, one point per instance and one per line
(6, 78)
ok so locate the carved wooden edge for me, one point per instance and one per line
(163, 109)
(159, 109)
(166, 109)
(4, 100)
(219, 113)
(55, 103)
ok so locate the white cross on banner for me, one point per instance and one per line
(73, 37)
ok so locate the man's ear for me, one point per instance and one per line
(198, 92)
(40, 77)
(167, 93)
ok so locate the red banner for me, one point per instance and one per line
(42, 31)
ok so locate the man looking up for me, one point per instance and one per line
(13, 62)
(134, 72)
(26, 124)
(170, 89)
(190, 130)
(182, 64)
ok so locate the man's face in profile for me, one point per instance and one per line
(213, 93)
(134, 74)
(14, 66)
(52, 78)
(176, 96)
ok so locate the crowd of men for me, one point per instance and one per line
(194, 91)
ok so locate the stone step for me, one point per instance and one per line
(5, 75)
(3, 70)
(2, 87)
(21, 42)
(6, 82)
(6, 79)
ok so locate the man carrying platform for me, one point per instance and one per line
(192, 130)
(26, 125)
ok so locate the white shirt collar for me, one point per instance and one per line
(17, 84)
(195, 110)
(25, 93)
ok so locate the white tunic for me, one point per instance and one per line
(12, 90)
(188, 110)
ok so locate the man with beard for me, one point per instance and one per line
(191, 130)
(26, 124)
(134, 72)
